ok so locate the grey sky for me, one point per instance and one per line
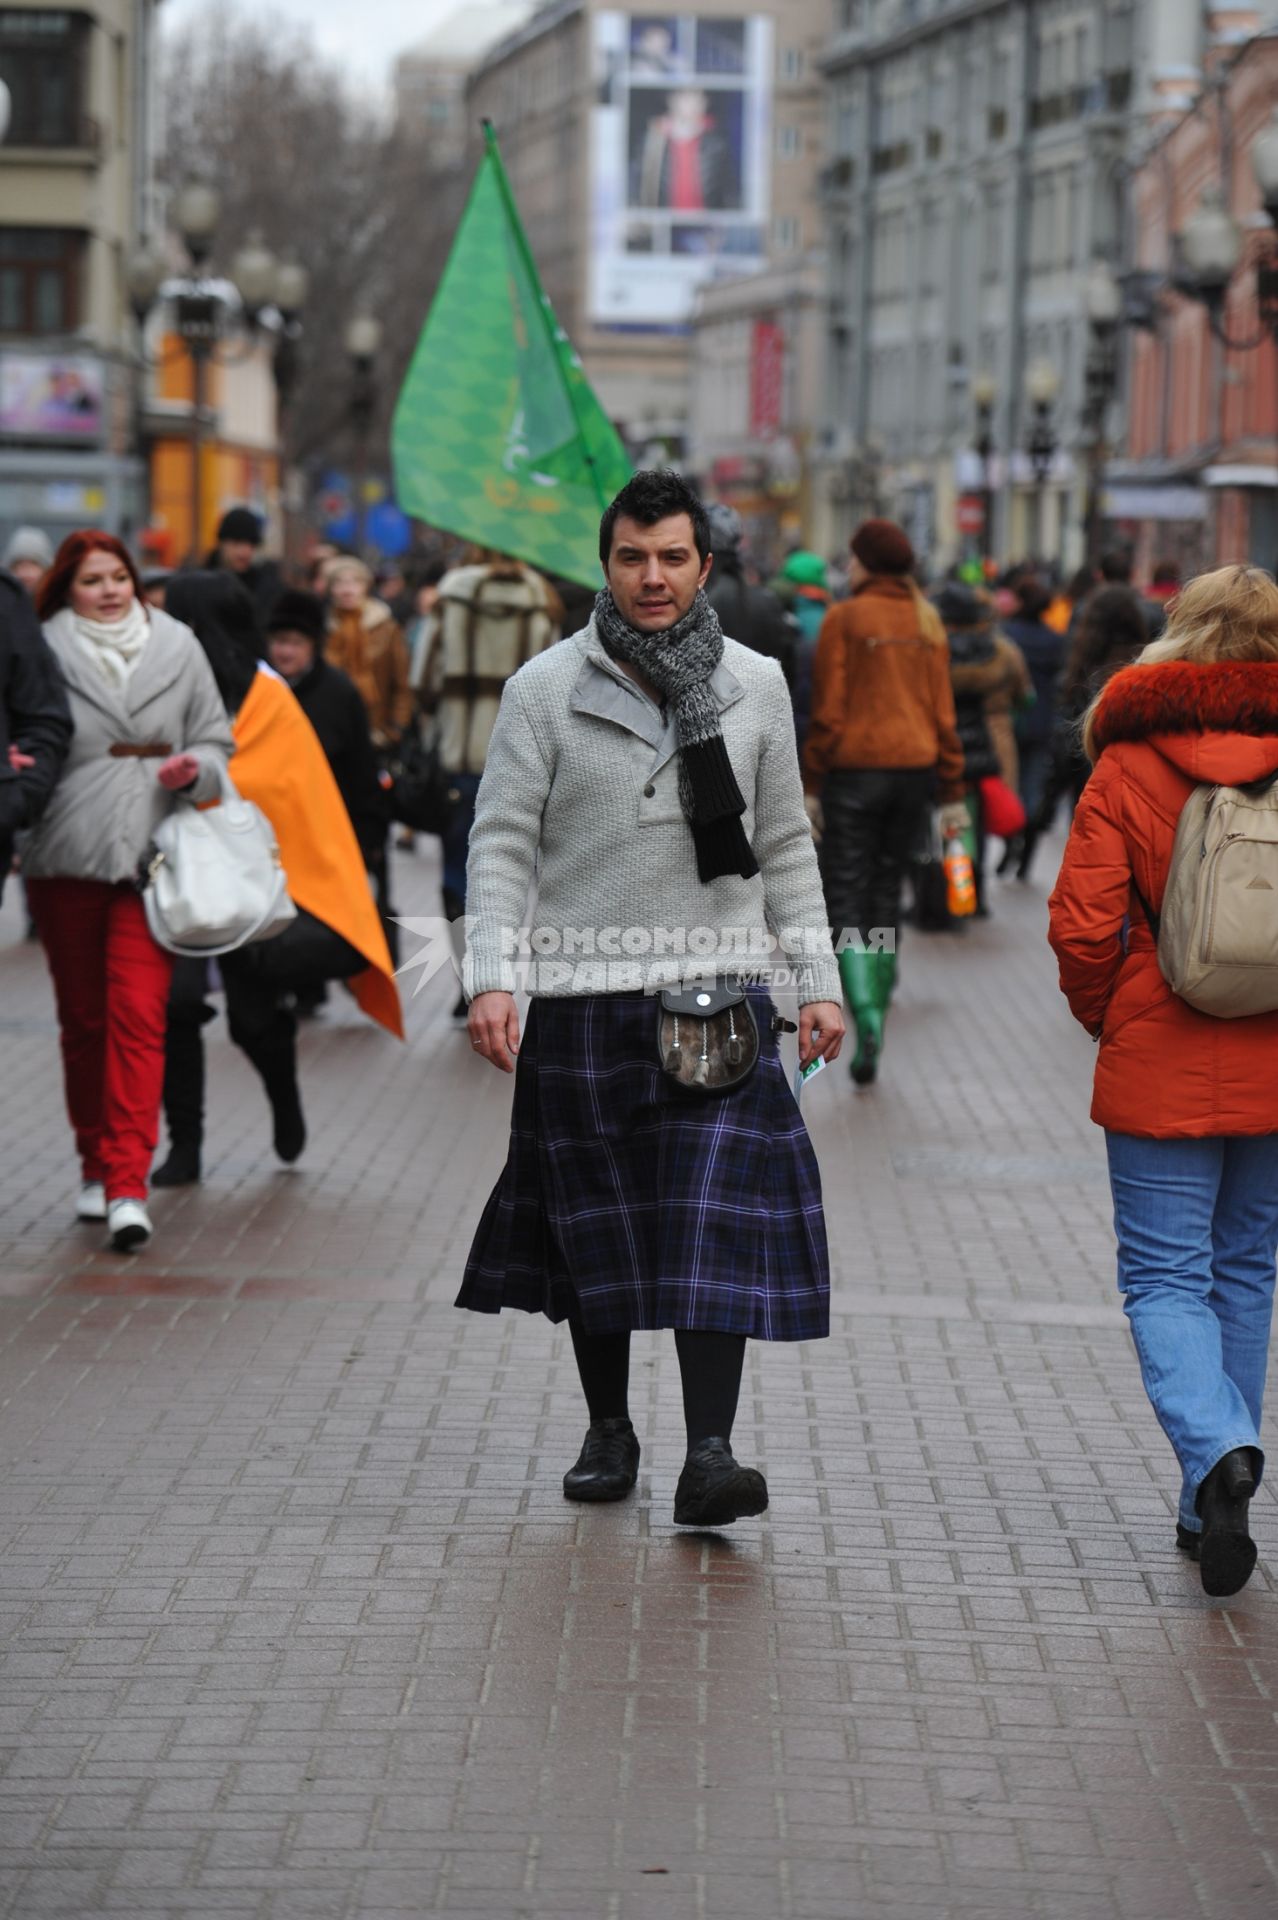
(365, 39)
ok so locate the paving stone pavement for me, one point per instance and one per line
(296, 1622)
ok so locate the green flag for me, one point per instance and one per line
(498, 436)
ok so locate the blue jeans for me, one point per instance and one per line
(1197, 1226)
(457, 840)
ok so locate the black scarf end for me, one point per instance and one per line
(723, 850)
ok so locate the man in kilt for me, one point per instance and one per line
(644, 773)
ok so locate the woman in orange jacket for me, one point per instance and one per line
(278, 764)
(1188, 1101)
(882, 744)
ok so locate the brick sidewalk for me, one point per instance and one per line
(297, 1622)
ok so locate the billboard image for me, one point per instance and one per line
(51, 397)
(680, 182)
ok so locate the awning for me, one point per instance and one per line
(1154, 503)
(1241, 475)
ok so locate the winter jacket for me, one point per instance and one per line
(262, 579)
(331, 702)
(1164, 1071)
(976, 669)
(582, 789)
(881, 694)
(106, 806)
(1010, 697)
(34, 716)
(752, 615)
(1043, 650)
(369, 648)
(486, 623)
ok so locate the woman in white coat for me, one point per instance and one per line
(148, 725)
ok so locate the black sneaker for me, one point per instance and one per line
(1187, 1540)
(608, 1464)
(713, 1490)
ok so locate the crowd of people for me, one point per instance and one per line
(698, 748)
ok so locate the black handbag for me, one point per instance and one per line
(707, 1035)
(418, 791)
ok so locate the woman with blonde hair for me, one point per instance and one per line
(1188, 1101)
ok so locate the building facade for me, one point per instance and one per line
(1198, 479)
(654, 156)
(979, 152)
(75, 194)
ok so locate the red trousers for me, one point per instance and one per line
(112, 988)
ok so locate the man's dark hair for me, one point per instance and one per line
(650, 497)
(1116, 566)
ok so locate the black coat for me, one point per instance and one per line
(34, 716)
(332, 704)
(1044, 652)
(974, 670)
(752, 615)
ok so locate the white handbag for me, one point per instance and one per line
(212, 879)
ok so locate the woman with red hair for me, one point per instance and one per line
(148, 725)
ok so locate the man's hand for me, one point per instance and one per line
(821, 1031)
(19, 761)
(493, 1025)
(816, 814)
(178, 771)
(955, 818)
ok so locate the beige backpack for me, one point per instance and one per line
(1218, 931)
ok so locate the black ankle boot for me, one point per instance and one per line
(288, 1121)
(1226, 1551)
(608, 1464)
(182, 1166)
(713, 1490)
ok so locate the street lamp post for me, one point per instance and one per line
(363, 340)
(1104, 299)
(984, 394)
(1042, 384)
(204, 311)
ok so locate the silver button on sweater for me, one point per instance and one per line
(580, 796)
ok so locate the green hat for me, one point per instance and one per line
(805, 569)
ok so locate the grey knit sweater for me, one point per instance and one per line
(581, 795)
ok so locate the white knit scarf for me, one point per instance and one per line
(115, 649)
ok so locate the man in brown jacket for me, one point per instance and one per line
(882, 745)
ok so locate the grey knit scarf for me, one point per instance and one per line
(679, 663)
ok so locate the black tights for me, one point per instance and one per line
(710, 1366)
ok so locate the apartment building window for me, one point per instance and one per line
(43, 61)
(851, 14)
(789, 143)
(39, 280)
(793, 63)
(789, 233)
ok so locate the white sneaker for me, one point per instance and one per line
(92, 1202)
(129, 1225)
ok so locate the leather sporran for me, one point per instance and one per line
(707, 1036)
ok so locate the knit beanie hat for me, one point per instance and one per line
(805, 569)
(296, 611)
(241, 523)
(883, 547)
(29, 543)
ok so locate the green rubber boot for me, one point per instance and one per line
(887, 979)
(860, 975)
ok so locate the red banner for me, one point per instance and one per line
(767, 379)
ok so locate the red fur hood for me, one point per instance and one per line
(1216, 723)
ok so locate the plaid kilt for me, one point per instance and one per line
(629, 1202)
